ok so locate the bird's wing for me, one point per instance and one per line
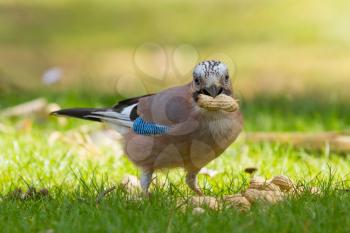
(172, 109)
(124, 113)
(168, 107)
(151, 114)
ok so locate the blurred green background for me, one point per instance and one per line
(288, 58)
(278, 47)
(290, 64)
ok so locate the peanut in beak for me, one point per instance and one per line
(220, 102)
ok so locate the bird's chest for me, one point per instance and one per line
(215, 134)
(219, 128)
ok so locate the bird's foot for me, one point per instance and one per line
(145, 180)
(191, 181)
(198, 192)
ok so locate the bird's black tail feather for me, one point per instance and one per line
(82, 113)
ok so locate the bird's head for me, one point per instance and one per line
(212, 88)
(211, 78)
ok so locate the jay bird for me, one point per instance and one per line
(169, 129)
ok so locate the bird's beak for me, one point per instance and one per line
(213, 91)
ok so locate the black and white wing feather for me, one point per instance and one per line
(121, 116)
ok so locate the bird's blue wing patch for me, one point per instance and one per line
(148, 128)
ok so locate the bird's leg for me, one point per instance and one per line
(191, 181)
(145, 180)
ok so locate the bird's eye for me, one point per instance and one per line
(227, 78)
(197, 81)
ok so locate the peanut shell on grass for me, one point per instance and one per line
(315, 190)
(198, 211)
(210, 202)
(257, 182)
(237, 201)
(254, 195)
(283, 182)
(271, 187)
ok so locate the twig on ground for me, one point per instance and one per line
(334, 141)
(32, 107)
(104, 193)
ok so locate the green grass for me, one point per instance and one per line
(292, 75)
(77, 212)
(74, 175)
